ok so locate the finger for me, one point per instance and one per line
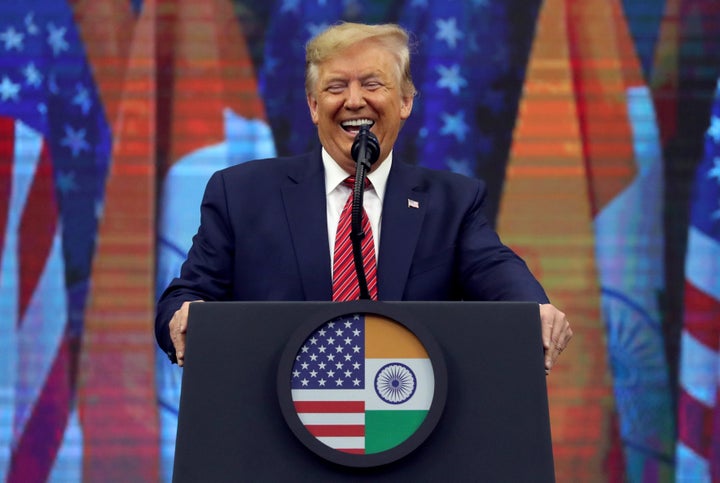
(561, 335)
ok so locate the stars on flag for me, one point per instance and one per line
(455, 124)
(450, 78)
(33, 76)
(75, 140)
(332, 357)
(714, 129)
(714, 171)
(8, 89)
(12, 39)
(56, 39)
(447, 30)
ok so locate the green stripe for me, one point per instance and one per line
(386, 429)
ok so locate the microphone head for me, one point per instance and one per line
(372, 146)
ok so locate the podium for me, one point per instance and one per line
(494, 425)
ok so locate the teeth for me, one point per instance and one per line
(357, 122)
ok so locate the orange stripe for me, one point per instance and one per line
(385, 338)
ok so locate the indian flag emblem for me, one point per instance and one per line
(362, 384)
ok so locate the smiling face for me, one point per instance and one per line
(359, 85)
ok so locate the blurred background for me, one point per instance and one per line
(596, 124)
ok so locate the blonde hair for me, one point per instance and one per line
(332, 41)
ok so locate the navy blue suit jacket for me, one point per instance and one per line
(263, 236)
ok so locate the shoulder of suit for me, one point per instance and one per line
(437, 177)
(268, 167)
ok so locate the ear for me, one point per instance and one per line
(313, 105)
(406, 107)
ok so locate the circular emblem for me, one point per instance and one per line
(359, 387)
(395, 383)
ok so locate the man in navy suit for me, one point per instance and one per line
(268, 227)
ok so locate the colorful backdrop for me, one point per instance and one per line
(595, 122)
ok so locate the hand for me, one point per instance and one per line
(178, 329)
(556, 333)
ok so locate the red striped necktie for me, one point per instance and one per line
(345, 281)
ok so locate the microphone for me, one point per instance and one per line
(365, 152)
(365, 148)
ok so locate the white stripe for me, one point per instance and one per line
(68, 463)
(698, 364)
(690, 466)
(702, 264)
(328, 394)
(41, 332)
(325, 419)
(344, 442)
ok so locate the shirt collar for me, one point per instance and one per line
(335, 175)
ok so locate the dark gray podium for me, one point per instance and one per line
(494, 426)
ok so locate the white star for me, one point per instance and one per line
(313, 373)
(8, 89)
(30, 25)
(313, 357)
(32, 75)
(448, 31)
(12, 39)
(348, 373)
(331, 324)
(348, 340)
(321, 382)
(331, 341)
(338, 382)
(304, 348)
(339, 349)
(330, 357)
(304, 366)
(356, 349)
(330, 373)
(313, 341)
(356, 382)
(289, 6)
(714, 129)
(356, 332)
(75, 140)
(82, 99)
(339, 332)
(296, 373)
(321, 349)
(56, 38)
(348, 324)
(321, 365)
(304, 382)
(460, 166)
(338, 365)
(321, 332)
(356, 317)
(715, 170)
(450, 78)
(347, 357)
(316, 28)
(455, 125)
(356, 365)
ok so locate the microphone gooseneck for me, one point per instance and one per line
(365, 152)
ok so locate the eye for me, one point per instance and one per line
(372, 85)
(335, 88)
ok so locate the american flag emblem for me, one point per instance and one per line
(413, 204)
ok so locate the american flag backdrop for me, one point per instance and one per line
(698, 449)
(55, 146)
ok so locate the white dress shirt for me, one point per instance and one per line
(337, 194)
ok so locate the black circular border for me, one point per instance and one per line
(396, 314)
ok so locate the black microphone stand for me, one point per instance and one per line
(365, 152)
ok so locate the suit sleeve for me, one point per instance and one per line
(206, 274)
(489, 270)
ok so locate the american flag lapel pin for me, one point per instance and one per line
(413, 204)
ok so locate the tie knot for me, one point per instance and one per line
(350, 182)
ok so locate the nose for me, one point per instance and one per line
(355, 98)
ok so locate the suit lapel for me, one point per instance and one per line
(403, 212)
(304, 200)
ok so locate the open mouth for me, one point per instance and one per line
(353, 125)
